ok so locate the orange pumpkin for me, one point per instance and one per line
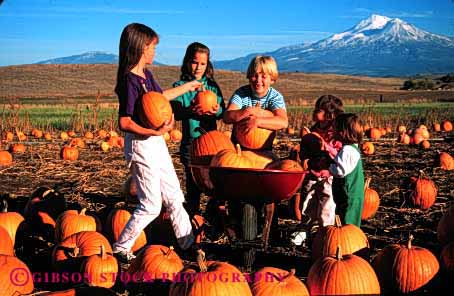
(445, 228)
(48, 136)
(275, 281)
(368, 148)
(64, 136)
(101, 269)
(209, 144)
(155, 110)
(72, 221)
(101, 134)
(15, 276)
(18, 148)
(6, 244)
(404, 138)
(374, 133)
(447, 126)
(206, 99)
(423, 193)
(6, 159)
(78, 245)
(88, 135)
(285, 165)
(8, 136)
(413, 267)
(349, 237)
(204, 283)
(425, 144)
(231, 158)
(446, 161)
(156, 262)
(69, 153)
(416, 139)
(176, 135)
(116, 221)
(423, 132)
(401, 129)
(71, 134)
(256, 138)
(260, 159)
(21, 136)
(342, 275)
(11, 222)
(437, 127)
(371, 201)
(77, 142)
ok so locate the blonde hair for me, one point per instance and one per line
(265, 64)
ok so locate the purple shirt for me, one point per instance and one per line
(133, 93)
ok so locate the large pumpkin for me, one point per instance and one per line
(199, 281)
(6, 244)
(371, 201)
(275, 281)
(101, 269)
(209, 144)
(15, 277)
(260, 159)
(72, 221)
(115, 223)
(206, 99)
(342, 275)
(11, 221)
(445, 228)
(156, 262)
(349, 237)
(155, 110)
(256, 138)
(423, 193)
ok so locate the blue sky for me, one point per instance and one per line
(32, 31)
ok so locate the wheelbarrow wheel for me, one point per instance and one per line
(249, 222)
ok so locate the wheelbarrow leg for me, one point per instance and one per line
(249, 229)
(269, 212)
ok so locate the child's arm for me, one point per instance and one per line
(344, 162)
(128, 125)
(276, 122)
(174, 92)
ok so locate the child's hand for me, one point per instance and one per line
(196, 109)
(193, 85)
(167, 126)
(248, 123)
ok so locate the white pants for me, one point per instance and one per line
(319, 203)
(157, 184)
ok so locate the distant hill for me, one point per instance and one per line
(376, 46)
(91, 57)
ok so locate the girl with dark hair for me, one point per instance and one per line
(196, 66)
(145, 150)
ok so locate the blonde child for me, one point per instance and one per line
(145, 149)
(196, 66)
(319, 203)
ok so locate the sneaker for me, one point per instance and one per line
(124, 256)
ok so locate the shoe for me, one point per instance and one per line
(124, 256)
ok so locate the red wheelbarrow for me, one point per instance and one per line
(250, 187)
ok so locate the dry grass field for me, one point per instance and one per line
(43, 83)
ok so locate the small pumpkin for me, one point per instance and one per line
(64, 136)
(374, 133)
(446, 161)
(6, 159)
(447, 126)
(275, 281)
(176, 136)
(48, 136)
(206, 99)
(101, 269)
(156, 262)
(89, 135)
(404, 138)
(154, 110)
(72, 221)
(18, 148)
(77, 142)
(371, 201)
(69, 153)
(423, 193)
(285, 165)
(368, 148)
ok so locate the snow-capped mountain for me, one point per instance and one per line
(376, 46)
(92, 57)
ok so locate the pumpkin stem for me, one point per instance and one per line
(201, 261)
(338, 253)
(238, 149)
(169, 252)
(289, 275)
(410, 238)
(82, 212)
(366, 184)
(75, 252)
(338, 222)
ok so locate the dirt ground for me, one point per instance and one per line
(96, 179)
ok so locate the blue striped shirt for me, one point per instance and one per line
(244, 97)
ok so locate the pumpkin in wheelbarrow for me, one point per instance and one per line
(208, 145)
(239, 159)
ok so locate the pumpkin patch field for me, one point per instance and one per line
(414, 194)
